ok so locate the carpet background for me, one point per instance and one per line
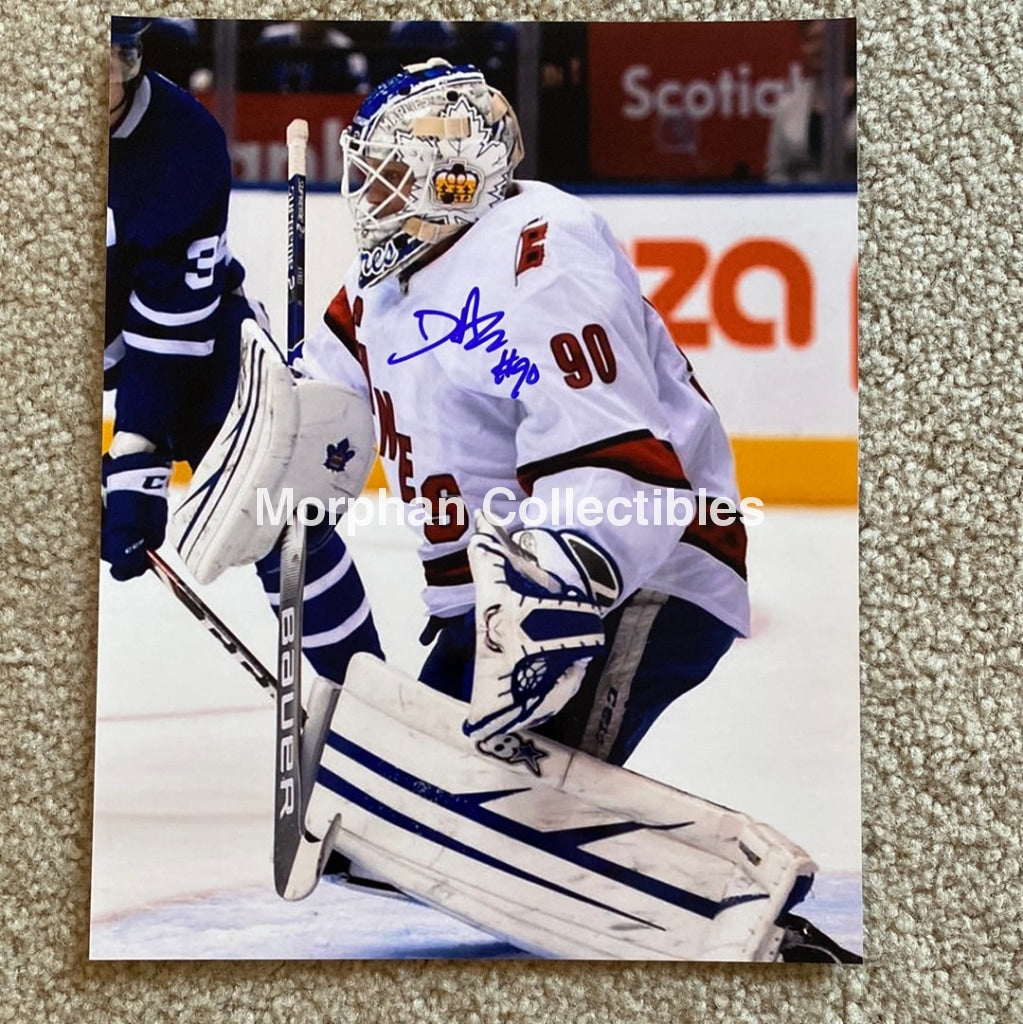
(942, 475)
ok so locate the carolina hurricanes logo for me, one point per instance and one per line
(531, 248)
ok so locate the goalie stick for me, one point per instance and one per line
(298, 857)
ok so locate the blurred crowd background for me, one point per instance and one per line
(757, 105)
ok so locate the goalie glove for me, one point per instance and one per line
(285, 440)
(539, 601)
(135, 480)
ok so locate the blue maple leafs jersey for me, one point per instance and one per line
(168, 265)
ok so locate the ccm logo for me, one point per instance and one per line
(606, 714)
(688, 263)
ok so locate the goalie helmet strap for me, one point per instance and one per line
(425, 231)
(441, 127)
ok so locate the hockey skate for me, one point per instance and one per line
(803, 943)
(342, 870)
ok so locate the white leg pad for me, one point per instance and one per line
(547, 847)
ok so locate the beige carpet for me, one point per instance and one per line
(942, 477)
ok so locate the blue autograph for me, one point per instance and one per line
(473, 330)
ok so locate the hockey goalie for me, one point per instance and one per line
(530, 404)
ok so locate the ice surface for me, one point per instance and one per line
(336, 922)
(184, 755)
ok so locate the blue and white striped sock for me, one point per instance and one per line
(336, 617)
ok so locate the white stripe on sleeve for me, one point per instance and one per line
(169, 346)
(173, 319)
(113, 353)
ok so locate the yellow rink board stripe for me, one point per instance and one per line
(777, 470)
(798, 470)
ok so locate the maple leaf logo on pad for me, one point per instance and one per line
(339, 455)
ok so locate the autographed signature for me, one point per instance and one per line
(472, 330)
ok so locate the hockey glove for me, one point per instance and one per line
(135, 511)
(539, 600)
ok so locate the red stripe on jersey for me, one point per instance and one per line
(448, 570)
(341, 322)
(637, 454)
(725, 543)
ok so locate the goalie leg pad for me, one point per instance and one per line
(540, 844)
(283, 441)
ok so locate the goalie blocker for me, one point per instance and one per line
(282, 436)
(540, 844)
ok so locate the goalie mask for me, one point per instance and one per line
(428, 153)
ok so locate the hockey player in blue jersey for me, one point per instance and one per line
(174, 310)
(174, 294)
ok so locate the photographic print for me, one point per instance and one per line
(479, 543)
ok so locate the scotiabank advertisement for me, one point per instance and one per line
(259, 153)
(687, 101)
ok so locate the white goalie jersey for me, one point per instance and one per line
(524, 363)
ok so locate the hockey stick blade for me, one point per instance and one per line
(225, 637)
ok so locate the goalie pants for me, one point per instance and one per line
(658, 648)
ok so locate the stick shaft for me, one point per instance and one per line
(297, 140)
